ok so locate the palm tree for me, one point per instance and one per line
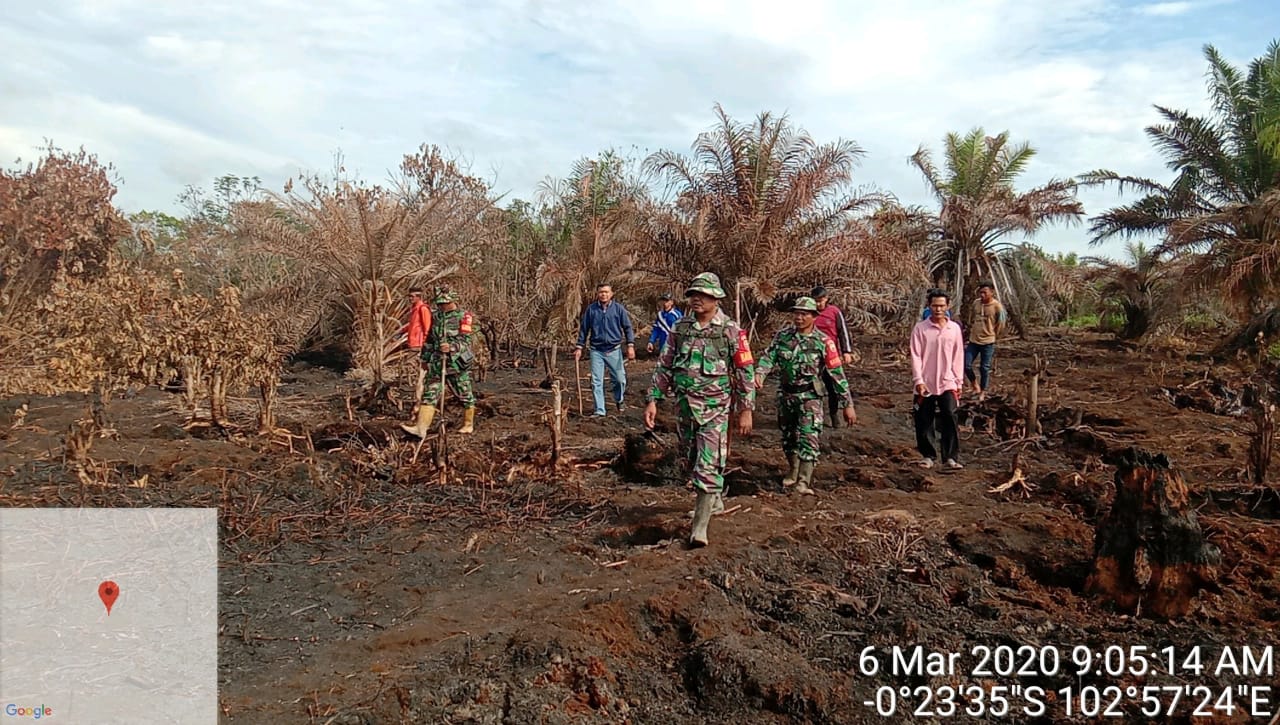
(1047, 287)
(979, 208)
(594, 213)
(1221, 203)
(763, 206)
(1142, 285)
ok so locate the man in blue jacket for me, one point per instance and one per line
(668, 316)
(608, 325)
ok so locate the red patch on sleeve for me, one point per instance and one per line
(833, 354)
(465, 326)
(742, 357)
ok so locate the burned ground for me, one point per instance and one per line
(359, 584)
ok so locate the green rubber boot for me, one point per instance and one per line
(717, 507)
(701, 518)
(806, 477)
(794, 475)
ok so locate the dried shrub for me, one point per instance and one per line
(134, 327)
(366, 245)
(56, 221)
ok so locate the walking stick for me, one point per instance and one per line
(577, 376)
(444, 380)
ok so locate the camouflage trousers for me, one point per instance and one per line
(459, 382)
(704, 448)
(800, 421)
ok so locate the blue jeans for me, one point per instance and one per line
(984, 353)
(613, 360)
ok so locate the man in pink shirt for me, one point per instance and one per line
(937, 371)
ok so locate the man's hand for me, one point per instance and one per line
(631, 352)
(650, 414)
(744, 422)
(649, 348)
(445, 348)
(847, 358)
(850, 415)
(921, 390)
(577, 353)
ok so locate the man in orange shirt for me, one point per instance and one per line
(418, 328)
(419, 319)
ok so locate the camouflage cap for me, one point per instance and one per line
(805, 304)
(708, 284)
(445, 296)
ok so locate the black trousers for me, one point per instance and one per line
(936, 411)
(834, 419)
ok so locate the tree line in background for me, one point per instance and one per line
(92, 300)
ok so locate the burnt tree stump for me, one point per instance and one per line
(647, 458)
(1258, 398)
(1149, 552)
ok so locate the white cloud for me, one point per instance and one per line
(1166, 9)
(180, 93)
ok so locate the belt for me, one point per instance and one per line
(797, 389)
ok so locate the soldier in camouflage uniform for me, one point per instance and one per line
(448, 344)
(802, 353)
(706, 364)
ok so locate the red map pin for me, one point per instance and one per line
(107, 592)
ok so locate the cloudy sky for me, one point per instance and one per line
(175, 94)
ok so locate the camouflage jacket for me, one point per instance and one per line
(711, 368)
(801, 359)
(454, 327)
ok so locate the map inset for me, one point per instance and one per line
(152, 659)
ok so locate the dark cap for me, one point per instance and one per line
(818, 291)
(667, 296)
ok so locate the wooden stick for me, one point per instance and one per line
(1263, 431)
(1033, 395)
(444, 381)
(737, 302)
(577, 374)
(557, 416)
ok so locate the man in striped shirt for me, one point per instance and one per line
(668, 316)
(831, 321)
